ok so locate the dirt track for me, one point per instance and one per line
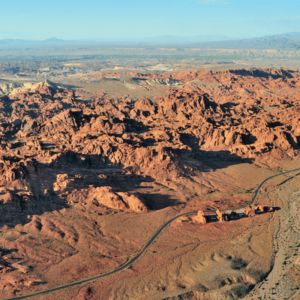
(284, 279)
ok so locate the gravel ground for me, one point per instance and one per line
(283, 282)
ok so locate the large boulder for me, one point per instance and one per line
(199, 218)
(249, 211)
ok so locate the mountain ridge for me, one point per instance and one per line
(289, 41)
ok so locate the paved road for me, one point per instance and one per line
(149, 243)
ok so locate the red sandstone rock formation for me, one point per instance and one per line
(263, 208)
(106, 196)
(249, 211)
(222, 217)
(199, 218)
(170, 141)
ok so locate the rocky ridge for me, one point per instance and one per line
(170, 141)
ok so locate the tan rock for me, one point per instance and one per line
(249, 211)
(133, 202)
(105, 196)
(199, 218)
(222, 217)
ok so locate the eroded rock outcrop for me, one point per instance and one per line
(222, 217)
(249, 211)
(199, 218)
(173, 141)
(108, 197)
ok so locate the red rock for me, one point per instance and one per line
(221, 216)
(249, 211)
(166, 140)
(199, 218)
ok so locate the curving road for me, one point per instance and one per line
(149, 243)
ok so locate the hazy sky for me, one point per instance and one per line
(96, 19)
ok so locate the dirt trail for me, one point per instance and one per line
(283, 281)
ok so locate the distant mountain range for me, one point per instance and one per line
(19, 42)
(288, 41)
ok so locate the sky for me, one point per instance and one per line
(134, 19)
